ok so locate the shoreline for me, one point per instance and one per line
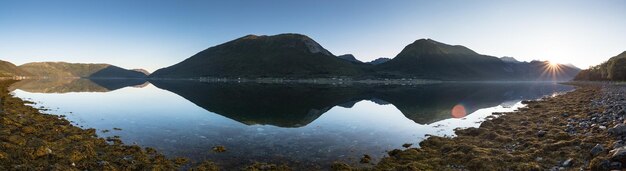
(343, 81)
(509, 141)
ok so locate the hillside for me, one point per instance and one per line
(350, 58)
(77, 70)
(8, 69)
(612, 70)
(284, 55)
(426, 58)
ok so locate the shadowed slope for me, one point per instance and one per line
(284, 55)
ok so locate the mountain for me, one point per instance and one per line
(612, 70)
(8, 69)
(426, 58)
(350, 58)
(379, 61)
(283, 55)
(78, 70)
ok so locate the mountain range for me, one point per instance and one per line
(296, 56)
(68, 70)
(612, 70)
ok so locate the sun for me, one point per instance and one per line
(552, 64)
(552, 70)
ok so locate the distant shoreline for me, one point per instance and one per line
(320, 81)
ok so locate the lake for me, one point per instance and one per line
(303, 125)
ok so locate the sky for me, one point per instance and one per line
(152, 34)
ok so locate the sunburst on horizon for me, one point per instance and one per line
(552, 69)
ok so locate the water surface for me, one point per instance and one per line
(306, 126)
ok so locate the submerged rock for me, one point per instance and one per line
(219, 149)
(366, 159)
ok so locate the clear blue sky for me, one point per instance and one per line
(152, 34)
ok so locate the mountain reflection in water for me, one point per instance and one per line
(288, 105)
(304, 125)
(75, 85)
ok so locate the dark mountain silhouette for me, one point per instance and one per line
(426, 58)
(284, 55)
(379, 61)
(78, 70)
(298, 56)
(8, 69)
(612, 70)
(350, 58)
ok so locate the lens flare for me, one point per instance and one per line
(458, 111)
(552, 70)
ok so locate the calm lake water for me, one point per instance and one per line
(306, 126)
